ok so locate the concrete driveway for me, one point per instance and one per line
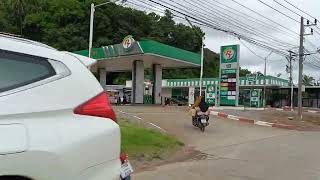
(233, 150)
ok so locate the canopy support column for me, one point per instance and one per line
(157, 84)
(137, 82)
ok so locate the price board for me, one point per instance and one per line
(229, 75)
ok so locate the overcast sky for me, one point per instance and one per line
(276, 64)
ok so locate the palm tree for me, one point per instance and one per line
(307, 80)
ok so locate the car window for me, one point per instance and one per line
(17, 70)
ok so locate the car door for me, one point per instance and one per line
(18, 72)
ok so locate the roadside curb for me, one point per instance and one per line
(251, 121)
(305, 110)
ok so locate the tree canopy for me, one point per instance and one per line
(307, 80)
(64, 24)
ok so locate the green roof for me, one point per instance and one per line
(156, 48)
(149, 47)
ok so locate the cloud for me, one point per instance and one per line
(275, 64)
(281, 29)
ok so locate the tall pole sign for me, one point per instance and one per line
(229, 75)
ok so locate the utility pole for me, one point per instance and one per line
(264, 80)
(301, 55)
(291, 78)
(301, 50)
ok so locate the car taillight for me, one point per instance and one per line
(123, 157)
(98, 106)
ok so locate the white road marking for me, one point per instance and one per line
(122, 112)
(233, 117)
(157, 127)
(263, 123)
(137, 117)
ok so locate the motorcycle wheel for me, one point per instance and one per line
(202, 127)
(127, 178)
(194, 123)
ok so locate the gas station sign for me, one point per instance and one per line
(210, 94)
(128, 42)
(255, 95)
(229, 75)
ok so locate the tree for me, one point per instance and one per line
(244, 72)
(278, 75)
(64, 24)
(307, 80)
(259, 74)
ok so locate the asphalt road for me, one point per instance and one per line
(233, 150)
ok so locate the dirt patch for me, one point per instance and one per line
(185, 154)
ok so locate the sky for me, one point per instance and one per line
(275, 63)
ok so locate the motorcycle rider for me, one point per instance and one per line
(199, 106)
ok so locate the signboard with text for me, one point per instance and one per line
(229, 75)
(255, 95)
(210, 94)
(191, 95)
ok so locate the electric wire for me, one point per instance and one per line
(217, 27)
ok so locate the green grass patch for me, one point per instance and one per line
(145, 144)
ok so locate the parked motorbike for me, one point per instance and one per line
(201, 120)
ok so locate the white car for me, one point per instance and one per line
(55, 120)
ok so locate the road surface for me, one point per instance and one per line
(233, 150)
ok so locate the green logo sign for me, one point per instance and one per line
(127, 42)
(255, 98)
(254, 93)
(210, 94)
(229, 54)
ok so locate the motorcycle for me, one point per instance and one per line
(201, 120)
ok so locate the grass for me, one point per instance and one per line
(145, 144)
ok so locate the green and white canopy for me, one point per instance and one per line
(118, 57)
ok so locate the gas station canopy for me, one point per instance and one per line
(120, 57)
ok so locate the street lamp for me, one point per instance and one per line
(202, 56)
(91, 21)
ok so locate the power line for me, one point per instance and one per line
(251, 50)
(157, 9)
(246, 25)
(218, 27)
(227, 25)
(154, 8)
(248, 28)
(299, 9)
(278, 11)
(264, 17)
(286, 14)
(299, 14)
(247, 16)
(287, 8)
